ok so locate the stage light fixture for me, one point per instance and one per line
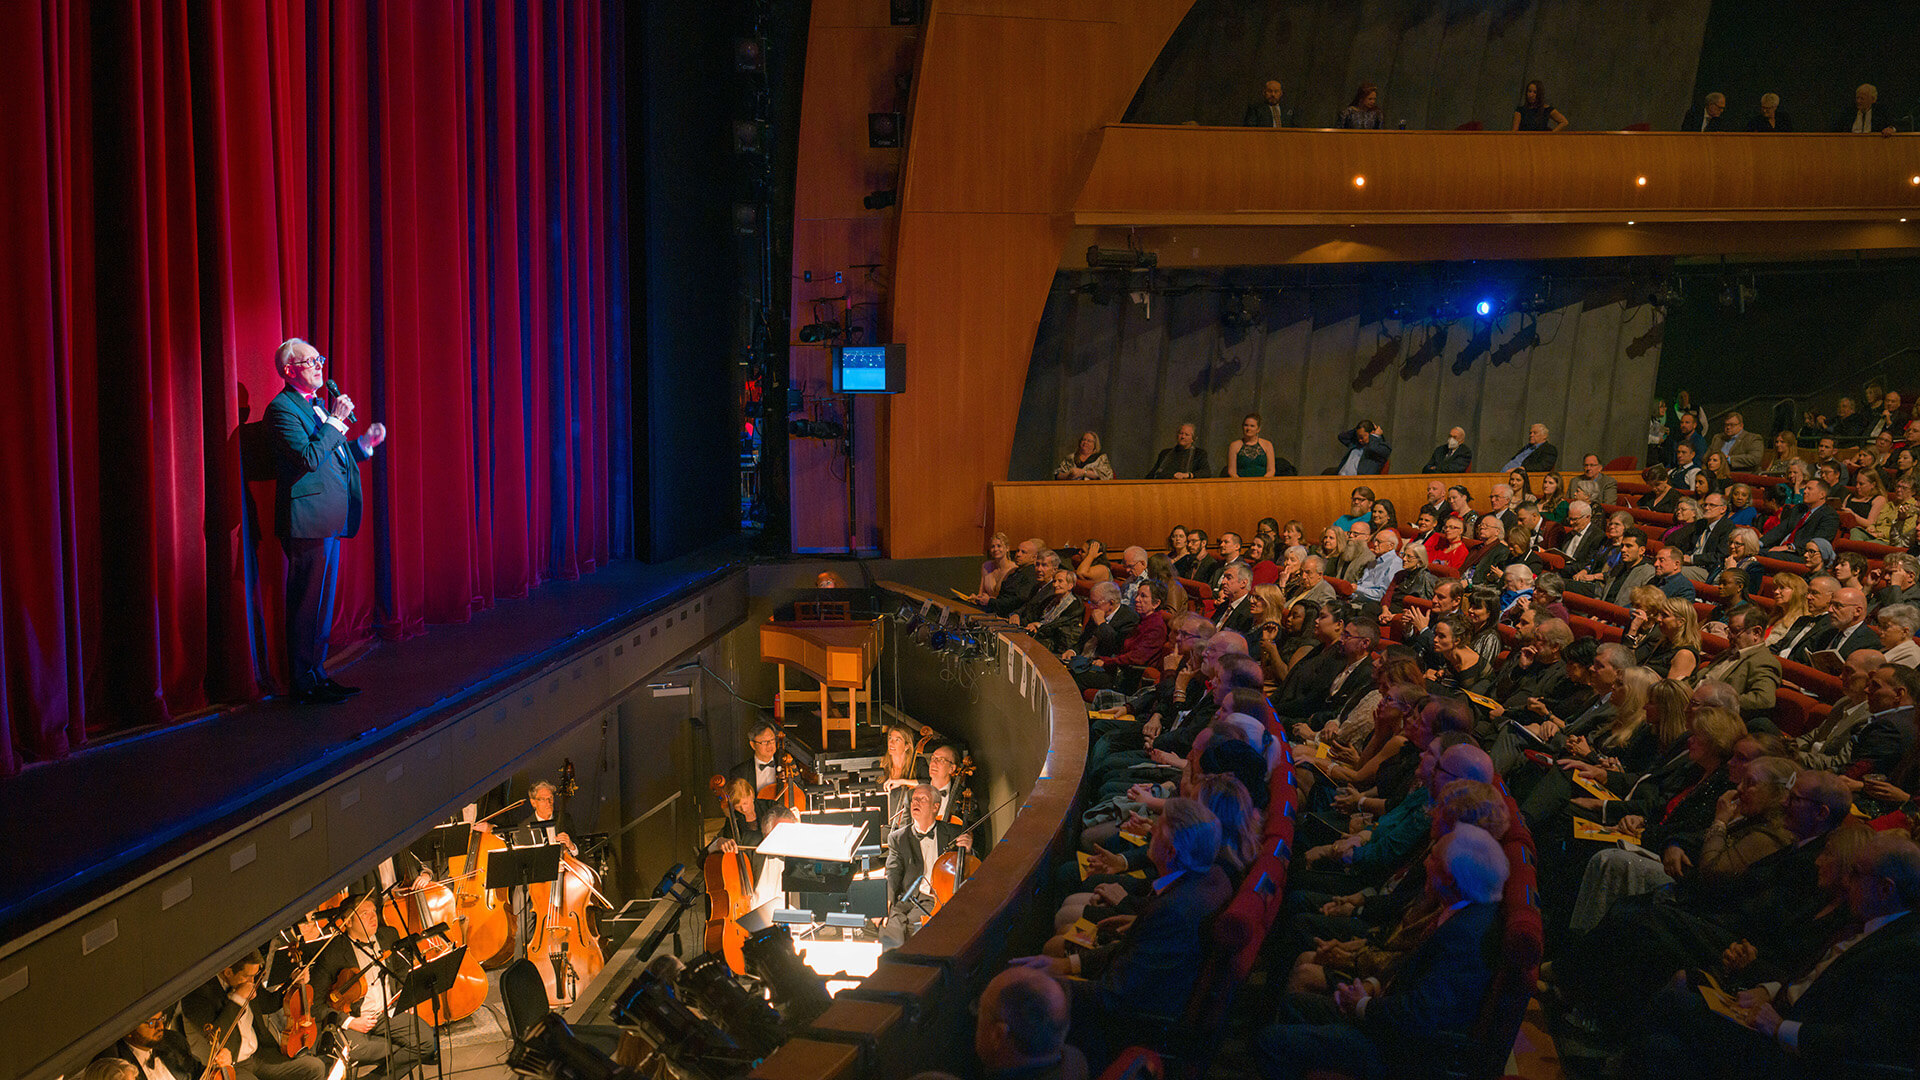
(815, 333)
(553, 1052)
(1640, 181)
(749, 136)
(799, 992)
(1359, 181)
(816, 429)
(694, 1043)
(749, 55)
(1484, 309)
(1121, 258)
(709, 986)
(878, 200)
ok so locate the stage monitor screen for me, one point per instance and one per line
(869, 369)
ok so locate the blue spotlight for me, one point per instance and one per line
(1483, 309)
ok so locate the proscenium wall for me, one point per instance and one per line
(1321, 358)
(1438, 65)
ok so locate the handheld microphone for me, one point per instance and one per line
(333, 390)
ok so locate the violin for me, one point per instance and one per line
(302, 1032)
(952, 869)
(729, 884)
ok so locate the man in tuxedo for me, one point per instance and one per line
(943, 764)
(316, 503)
(536, 819)
(1234, 609)
(759, 770)
(1709, 115)
(1857, 1005)
(1266, 112)
(1181, 461)
(1451, 456)
(230, 1006)
(158, 1051)
(1054, 616)
(912, 850)
(377, 1039)
(1815, 521)
(1867, 117)
(1537, 456)
(1435, 998)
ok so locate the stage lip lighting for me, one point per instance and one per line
(793, 916)
(846, 920)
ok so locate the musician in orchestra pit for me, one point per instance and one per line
(374, 1037)
(537, 814)
(231, 1004)
(749, 823)
(760, 770)
(157, 1051)
(942, 763)
(912, 850)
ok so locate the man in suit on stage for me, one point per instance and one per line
(912, 850)
(316, 502)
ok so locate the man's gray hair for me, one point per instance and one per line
(1239, 571)
(1579, 508)
(1106, 592)
(284, 353)
(1048, 560)
(1192, 835)
(1617, 656)
(1314, 563)
(1716, 694)
(1476, 863)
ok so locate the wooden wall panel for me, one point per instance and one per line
(1145, 174)
(1006, 101)
(1122, 512)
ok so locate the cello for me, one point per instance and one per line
(788, 792)
(729, 883)
(952, 868)
(565, 931)
(411, 911)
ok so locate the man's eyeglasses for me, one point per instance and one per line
(311, 361)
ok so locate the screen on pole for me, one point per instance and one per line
(868, 369)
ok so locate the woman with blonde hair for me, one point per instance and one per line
(1088, 462)
(998, 565)
(1676, 655)
(1627, 739)
(1790, 605)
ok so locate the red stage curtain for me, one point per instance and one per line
(425, 191)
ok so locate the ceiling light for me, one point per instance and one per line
(1640, 180)
(1361, 181)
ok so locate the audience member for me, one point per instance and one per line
(1054, 616)
(1231, 609)
(1452, 456)
(1813, 520)
(1363, 112)
(1895, 625)
(999, 563)
(1771, 116)
(1367, 450)
(1867, 117)
(1742, 448)
(1709, 115)
(1361, 508)
(1251, 455)
(1266, 113)
(1018, 585)
(1537, 456)
(1386, 563)
(1087, 462)
(1534, 113)
(1021, 1032)
(1436, 500)
(1183, 460)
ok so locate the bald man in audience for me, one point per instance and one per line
(1022, 1029)
(1020, 583)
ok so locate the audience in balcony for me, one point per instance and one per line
(1534, 112)
(999, 563)
(1742, 449)
(1266, 113)
(1867, 117)
(1709, 115)
(1363, 112)
(1537, 456)
(1366, 450)
(1771, 116)
(1092, 565)
(1184, 460)
(1085, 462)
(1251, 455)
(1452, 456)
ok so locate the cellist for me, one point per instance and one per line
(362, 949)
(229, 1006)
(943, 762)
(912, 849)
(538, 815)
(745, 822)
(760, 770)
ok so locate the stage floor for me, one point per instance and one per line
(108, 813)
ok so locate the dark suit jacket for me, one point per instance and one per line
(1718, 536)
(1260, 114)
(1691, 122)
(1617, 587)
(1781, 122)
(1821, 522)
(1458, 459)
(1862, 1005)
(1579, 549)
(1860, 637)
(1207, 570)
(209, 1006)
(316, 489)
(1193, 461)
(904, 865)
(1819, 633)
(1880, 743)
(1016, 589)
(1543, 459)
(1059, 632)
(1373, 456)
(1107, 638)
(172, 1051)
(1238, 618)
(1438, 988)
(1153, 965)
(1882, 117)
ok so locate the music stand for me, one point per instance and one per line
(516, 868)
(441, 840)
(424, 982)
(812, 852)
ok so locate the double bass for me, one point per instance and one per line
(565, 933)
(729, 883)
(952, 869)
(486, 923)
